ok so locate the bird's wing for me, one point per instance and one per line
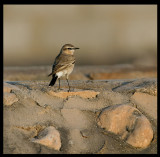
(54, 65)
(62, 62)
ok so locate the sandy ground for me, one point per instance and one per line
(71, 118)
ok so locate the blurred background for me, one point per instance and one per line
(105, 34)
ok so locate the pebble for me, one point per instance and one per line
(9, 98)
(8, 87)
(49, 137)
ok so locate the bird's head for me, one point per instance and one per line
(69, 49)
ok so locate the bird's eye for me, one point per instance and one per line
(69, 48)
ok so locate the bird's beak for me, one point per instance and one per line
(76, 48)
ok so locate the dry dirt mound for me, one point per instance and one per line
(97, 116)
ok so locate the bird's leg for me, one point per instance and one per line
(68, 84)
(59, 84)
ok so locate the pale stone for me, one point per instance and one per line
(9, 98)
(127, 122)
(146, 102)
(83, 94)
(8, 87)
(114, 119)
(142, 134)
(49, 137)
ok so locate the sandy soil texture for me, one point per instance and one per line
(107, 116)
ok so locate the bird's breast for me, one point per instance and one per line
(65, 72)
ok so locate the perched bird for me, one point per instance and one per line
(63, 64)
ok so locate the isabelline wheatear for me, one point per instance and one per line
(63, 64)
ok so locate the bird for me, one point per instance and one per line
(63, 64)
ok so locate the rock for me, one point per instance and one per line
(127, 122)
(49, 137)
(83, 94)
(146, 102)
(8, 87)
(9, 98)
(144, 85)
(142, 134)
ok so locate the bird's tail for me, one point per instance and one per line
(54, 78)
